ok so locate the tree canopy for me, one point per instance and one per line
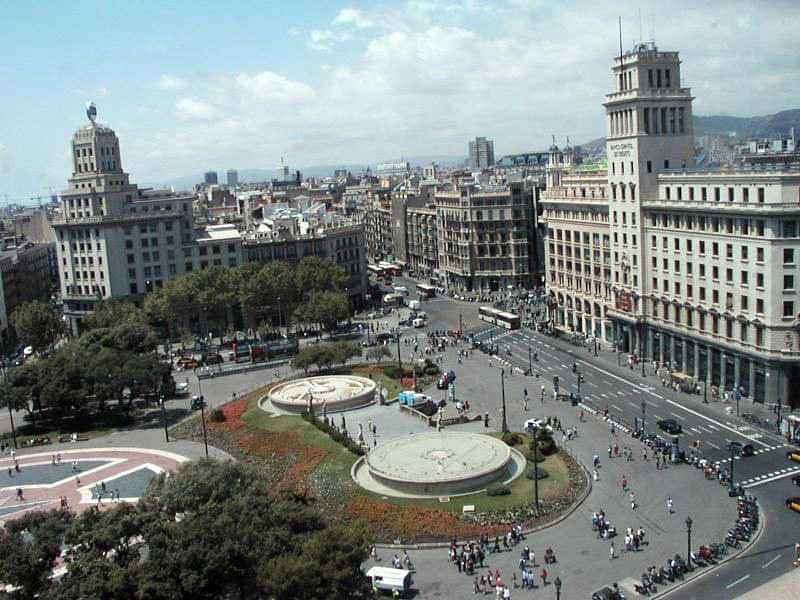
(209, 531)
(37, 324)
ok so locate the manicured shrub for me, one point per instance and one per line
(216, 416)
(512, 438)
(541, 472)
(498, 489)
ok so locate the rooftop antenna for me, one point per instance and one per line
(641, 38)
(620, 39)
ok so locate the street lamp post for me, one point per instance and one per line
(399, 360)
(705, 390)
(164, 417)
(13, 429)
(557, 583)
(503, 397)
(536, 467)
(734, 447)
(203, 414)
(689, 542)
(644, 411)
(530, 363)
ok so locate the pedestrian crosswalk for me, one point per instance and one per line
(769, 477)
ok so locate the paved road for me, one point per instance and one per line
(766, 475)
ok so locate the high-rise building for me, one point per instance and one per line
(481, 153)
(210, 178)
(701, 264)
(232, 178)
(113, 239)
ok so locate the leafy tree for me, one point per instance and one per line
(325, 308)
(304, 359)
(266, 290)
(377, 353)
(29, 547)
(37, 324)
(344, 351)
(110, 313)
(315, 274)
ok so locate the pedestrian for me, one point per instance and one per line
(670, 506)
(20, 497)
(543, 575)
(632, 497)
(595, 475)
(611, 552)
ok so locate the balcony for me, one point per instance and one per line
(752, 208)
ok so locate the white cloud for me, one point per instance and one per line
(354, 17)
(191, 109)
(271, 87)
(170, 82)
(325, 39)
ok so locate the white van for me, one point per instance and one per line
(418, 323)
(385, 579)
(413, 304)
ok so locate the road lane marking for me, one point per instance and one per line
(712, 444)
(773, 478)
(770, 562)
(737, 582)
(678, 416)
(614, 406)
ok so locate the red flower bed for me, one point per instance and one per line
(305, 457)
(233, 412)
(413, 523)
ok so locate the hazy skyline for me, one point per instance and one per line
(196, 86)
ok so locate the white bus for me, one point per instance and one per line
(426, 291)
(498, 317)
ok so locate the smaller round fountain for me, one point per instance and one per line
(326, 393)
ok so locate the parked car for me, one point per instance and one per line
(671, 426)
(747, 450)
(531, 424)
(793, 504)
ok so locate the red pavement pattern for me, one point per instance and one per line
(78, 488)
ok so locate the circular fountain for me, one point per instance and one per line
(438, 464)
(326, 393)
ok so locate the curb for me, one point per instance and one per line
(702, 573)
(572, 508)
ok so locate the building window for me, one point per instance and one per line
(760, 306)
(788, 308)
(743, 302)
(788, 256)
(788, 283)
(134, 288)
(649, 166)
(761, 195)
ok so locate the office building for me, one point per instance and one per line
(481, 153)
(232, 178)
(210, 178)
(703, 263)
(113, 239)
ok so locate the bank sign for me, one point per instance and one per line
(620, 150)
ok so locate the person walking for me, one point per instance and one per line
(670, 505)
(611, 552)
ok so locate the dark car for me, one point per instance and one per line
(747, 450)
(793, 504)
(671, 426)
(606, 593)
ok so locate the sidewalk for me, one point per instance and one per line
(780, 588)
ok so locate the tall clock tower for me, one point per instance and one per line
(649, 130)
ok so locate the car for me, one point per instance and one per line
(793, 455)
(793, 504)
(418, 323)
(747, 450)
(607, 593)
(186, 362)
(671, 426)
(534, 423)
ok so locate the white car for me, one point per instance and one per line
(532, 424)
(418, 323)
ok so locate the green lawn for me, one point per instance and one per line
(339, 461)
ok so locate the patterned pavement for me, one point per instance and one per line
(84, 477)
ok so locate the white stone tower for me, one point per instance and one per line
(649, 130)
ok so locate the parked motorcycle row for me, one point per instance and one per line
(675, 569)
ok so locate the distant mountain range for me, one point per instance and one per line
(767, 126)
(259, 175)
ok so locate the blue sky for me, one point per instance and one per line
(191, 86)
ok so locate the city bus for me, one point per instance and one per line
(426, 291)
(498, 317)
(390, 268)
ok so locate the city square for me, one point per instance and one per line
(406, 299)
